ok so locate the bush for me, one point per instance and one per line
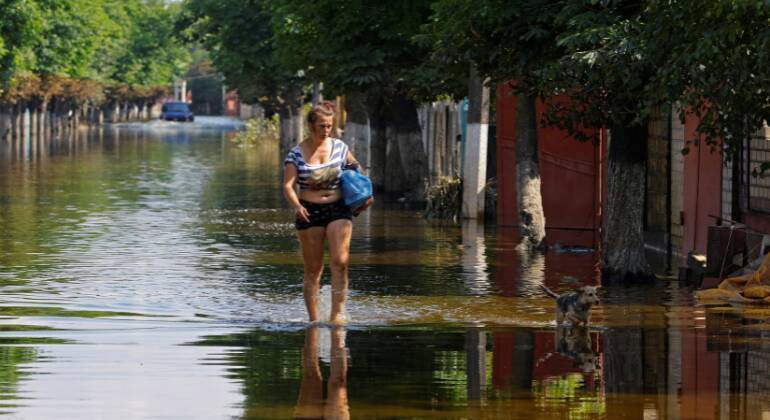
(258, 130)
(444, 200)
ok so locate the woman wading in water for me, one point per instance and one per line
(321, 214)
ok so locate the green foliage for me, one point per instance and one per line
(604, 67)
(239, 38)
(69, 33)
(153, 55)
(107, 41)
(360, 46)
(348, 43)
(715, 63)
(19, 21)
(505, 40)
(259, 130)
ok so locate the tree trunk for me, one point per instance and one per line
(22, 124)
(286, 138)
(108, 112)
(357, 134)
(528, 196)
(14, 123)
(406, 171)
(57, 120)
(291, 120)
(42, 111)
(76, 118)
(623, 252)
(5, 122)
(49, 119)
(378, 142)
(33, 118)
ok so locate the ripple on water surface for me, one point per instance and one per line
(149, 270)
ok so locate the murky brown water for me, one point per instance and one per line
(148, 271)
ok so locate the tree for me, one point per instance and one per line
(67, 40)
(366, 51)
(507, 41)
(606, 71)
(19, 22)
(239, 37)
(154, 54)
(626, 59)
(715, 65)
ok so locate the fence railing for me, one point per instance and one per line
(759, 183)
(441, 139)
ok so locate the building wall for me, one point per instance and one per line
(756, 196)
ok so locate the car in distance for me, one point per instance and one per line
(176, 111)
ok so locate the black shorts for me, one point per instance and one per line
(323, 214)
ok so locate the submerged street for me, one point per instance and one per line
(150, 270)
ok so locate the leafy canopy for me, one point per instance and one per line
(239, 37)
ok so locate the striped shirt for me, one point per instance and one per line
(325, 176)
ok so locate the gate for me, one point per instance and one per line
(571, 177)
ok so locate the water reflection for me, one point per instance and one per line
(310, 403)
(474, 258)
(636, 372)
(160, 258)
(12, 372)
(575, 342)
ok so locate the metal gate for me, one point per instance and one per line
(571, 177)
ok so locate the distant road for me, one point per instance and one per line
(201, 122)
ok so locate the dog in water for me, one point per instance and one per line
(574, 306)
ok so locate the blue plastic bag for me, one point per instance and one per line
(356, 188)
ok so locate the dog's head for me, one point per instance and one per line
(588, 295)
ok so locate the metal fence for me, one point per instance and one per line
(758, 183)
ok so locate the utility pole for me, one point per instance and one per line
(475, 166)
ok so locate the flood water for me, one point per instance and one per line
(150, 271)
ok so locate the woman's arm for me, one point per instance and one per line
(289, 180)
(352, 163)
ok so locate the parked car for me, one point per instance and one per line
(176, 111)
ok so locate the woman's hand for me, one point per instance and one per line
(301, 213)
(364, 206)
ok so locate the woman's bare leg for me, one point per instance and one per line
(312, 243)
(338, 235)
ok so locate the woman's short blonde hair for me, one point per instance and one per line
(325, 109)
